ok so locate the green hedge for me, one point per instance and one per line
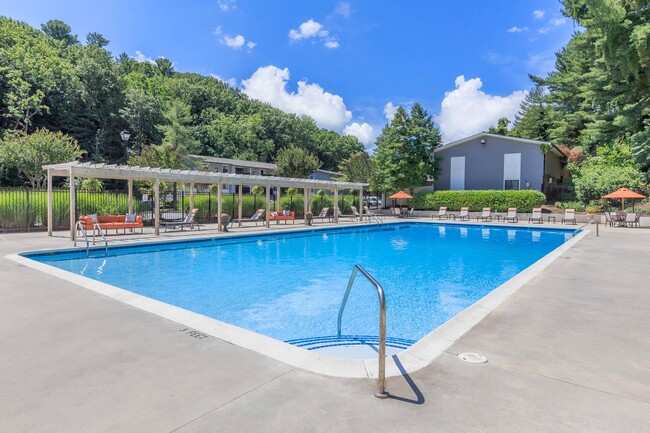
(476, 200)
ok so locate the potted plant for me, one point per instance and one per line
(224, 219)
(591, 212)
(309, 216)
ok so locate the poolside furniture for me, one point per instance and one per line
(536, 217)
(633, 219)
(464, 214)
(409, 212)
(188, 221)
(256, 218)
(110, 222)
(322, 215)
(356, 213)
(396, 212)
(342, 215)
(485, 215)
(512, 215)
(569, 215)
(371, 214)
(442, 213)
(608, 219)
(279, 216)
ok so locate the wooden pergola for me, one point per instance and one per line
(129, 173)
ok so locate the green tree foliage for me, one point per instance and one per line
(358, 168)
(296, 162)
(534, 119)
(29, 152)
(97, 39)
(404, 157)
(60, 31)
(143, 113)
(501, 128)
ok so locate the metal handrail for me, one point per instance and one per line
(80, 228)
(97, 227)
(381, 373)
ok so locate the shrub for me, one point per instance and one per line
(476, 200)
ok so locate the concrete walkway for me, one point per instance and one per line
(569, 351)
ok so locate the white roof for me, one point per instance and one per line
(113, 171)
(237, 162)
(554, 149)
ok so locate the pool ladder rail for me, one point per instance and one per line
(381, 371)
(96, 229)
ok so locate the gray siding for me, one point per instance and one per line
(484, 163)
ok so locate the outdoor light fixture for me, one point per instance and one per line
(125, 135)
(483, 141)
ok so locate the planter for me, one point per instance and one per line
(224, 219)
(309, 217)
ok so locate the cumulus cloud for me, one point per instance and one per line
(389, 111)
(268, 84)
(308, 29)
(467, 110)
(364, 132)
(538, 14)
(143, 58)
(226, 5)
(553, 23)
(234, 42)
(515, 29)
(331, 44)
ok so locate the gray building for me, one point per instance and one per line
(490, 161)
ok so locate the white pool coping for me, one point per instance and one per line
(420, 354)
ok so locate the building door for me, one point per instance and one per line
(511, 170)
(457, 179)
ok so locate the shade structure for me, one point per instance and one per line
(400, 194)
(623, 193)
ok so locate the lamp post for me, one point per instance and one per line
(125, 135)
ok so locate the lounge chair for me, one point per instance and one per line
(356, 213)
(633, 219)
(322, 215)
(342, 215)
(512, 215)
(256, 218)
(464, 214)
(396, 212)
(188, 221)
(485, 216)
(536, 216)
(409, 213)
(371, 214)
(569, 215)
(442, 213)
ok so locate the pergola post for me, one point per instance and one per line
(50, 212)
(73, 216)
(156, 200)
(191, 195)
(268, 205)
(336, 205)
(219, 204)
(130, 187)
(278, 195)
(305, 206)
(240, 204)
(361, 204)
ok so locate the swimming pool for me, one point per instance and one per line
(289, 286)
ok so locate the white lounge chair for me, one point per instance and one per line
(356, 213)
(342, 215)
(256, 218)
(485, 215)
(569, 216)
(512, 215)
(464, 214)
(322, 215)
(442, 213)
(536, 216)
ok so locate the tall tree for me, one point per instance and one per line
(296, 162)
(357, 168)
(404, 156)
(501, 128)
(60, 31)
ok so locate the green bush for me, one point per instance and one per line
(476, 200)
(577, 205)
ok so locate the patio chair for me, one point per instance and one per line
(632, 219)
(512, 215)
(322, 215)
(188, 221)
(356, 213)
(485, 215)
(536, 216)
(569, 215)
(342, 215)
(371, 214)
(396, 212)
(608, 219)
(442, 213)
(409, 213)
(256, 218)
(464, 214)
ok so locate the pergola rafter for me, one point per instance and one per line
(157, 175)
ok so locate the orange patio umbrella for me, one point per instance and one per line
(400, 195)
(623, 193)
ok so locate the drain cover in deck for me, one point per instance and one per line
(474, 358)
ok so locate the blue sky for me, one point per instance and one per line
(345, 63)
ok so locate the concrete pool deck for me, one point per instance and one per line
(568, 352)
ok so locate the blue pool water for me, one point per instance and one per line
(289, 286)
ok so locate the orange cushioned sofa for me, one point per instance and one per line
(278, 216)
(112, 222)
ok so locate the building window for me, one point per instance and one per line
(511, 170)
(512, 184)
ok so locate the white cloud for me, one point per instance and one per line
(390, 110)
(343, 9)
(217, 31)
(308, 29)
(331, 44)
(232, 82)
(538, 14)
(364, 132)
(268, 84)
(467, 110)
(515, 29)
(251, 45)
(541, 63)
(235, 42)
(556, 22)
(143, 58)
(226, 5)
